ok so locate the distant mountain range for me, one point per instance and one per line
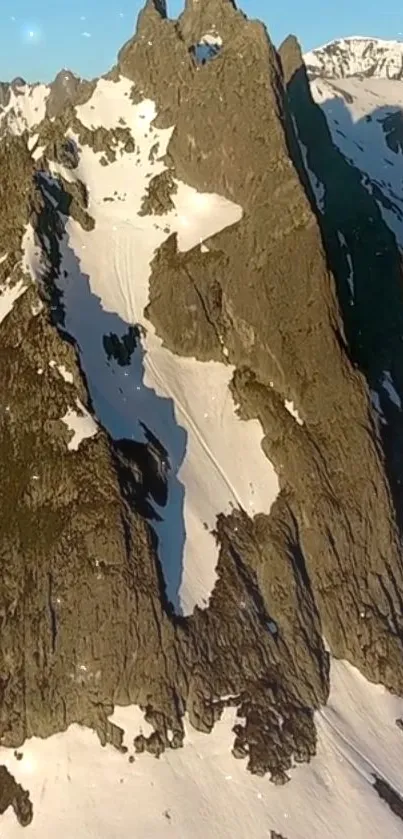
(356, 56)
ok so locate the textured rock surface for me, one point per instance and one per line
(274, 272)
(13, 795)
(85, 621)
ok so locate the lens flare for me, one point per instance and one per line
(31, 33)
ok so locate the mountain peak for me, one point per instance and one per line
(356, 56)
(291, 56)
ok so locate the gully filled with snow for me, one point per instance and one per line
(214, 460)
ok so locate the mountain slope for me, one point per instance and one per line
(365, 57)
(201, 519)
(365, 121)
(357, 83)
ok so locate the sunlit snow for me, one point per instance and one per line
(80, 789)
(81, 425)
(8, 295)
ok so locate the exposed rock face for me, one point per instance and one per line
(86, 623)
(65, 90)
(349, 548)
(13, 795)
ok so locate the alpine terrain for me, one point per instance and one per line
(201, 439)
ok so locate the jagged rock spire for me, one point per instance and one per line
(290, 56)
(201, 5)
(153, 11)
(159, 6)
(205, 14)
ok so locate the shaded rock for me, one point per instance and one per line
(13, 795)
(389, 795)
(157, 200)
(393, 128)
(67, 89)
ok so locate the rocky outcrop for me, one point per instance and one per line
(13, 795)
(277, 309)
(67, 89)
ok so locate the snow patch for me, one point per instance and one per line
(65, 374)
(388, 385)
(289, 404)
(25, 109)
(8, 296)
(350, 277)
(201, 790)
(318, 187)
(376, 404)
(131, 720)
(81, 424)
(32, 257)
(208, 47)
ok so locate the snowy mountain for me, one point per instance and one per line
(357, 83)
(357, 56)
(200, 429)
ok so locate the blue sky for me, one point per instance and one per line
(39, 37)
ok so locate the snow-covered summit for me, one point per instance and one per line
(357, 56)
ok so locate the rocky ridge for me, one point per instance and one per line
(86, 621)
(356, 56)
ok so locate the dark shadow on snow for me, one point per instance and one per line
(204, 52)
(373, 315)
(143, 425)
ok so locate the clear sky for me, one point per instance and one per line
(39, 37)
